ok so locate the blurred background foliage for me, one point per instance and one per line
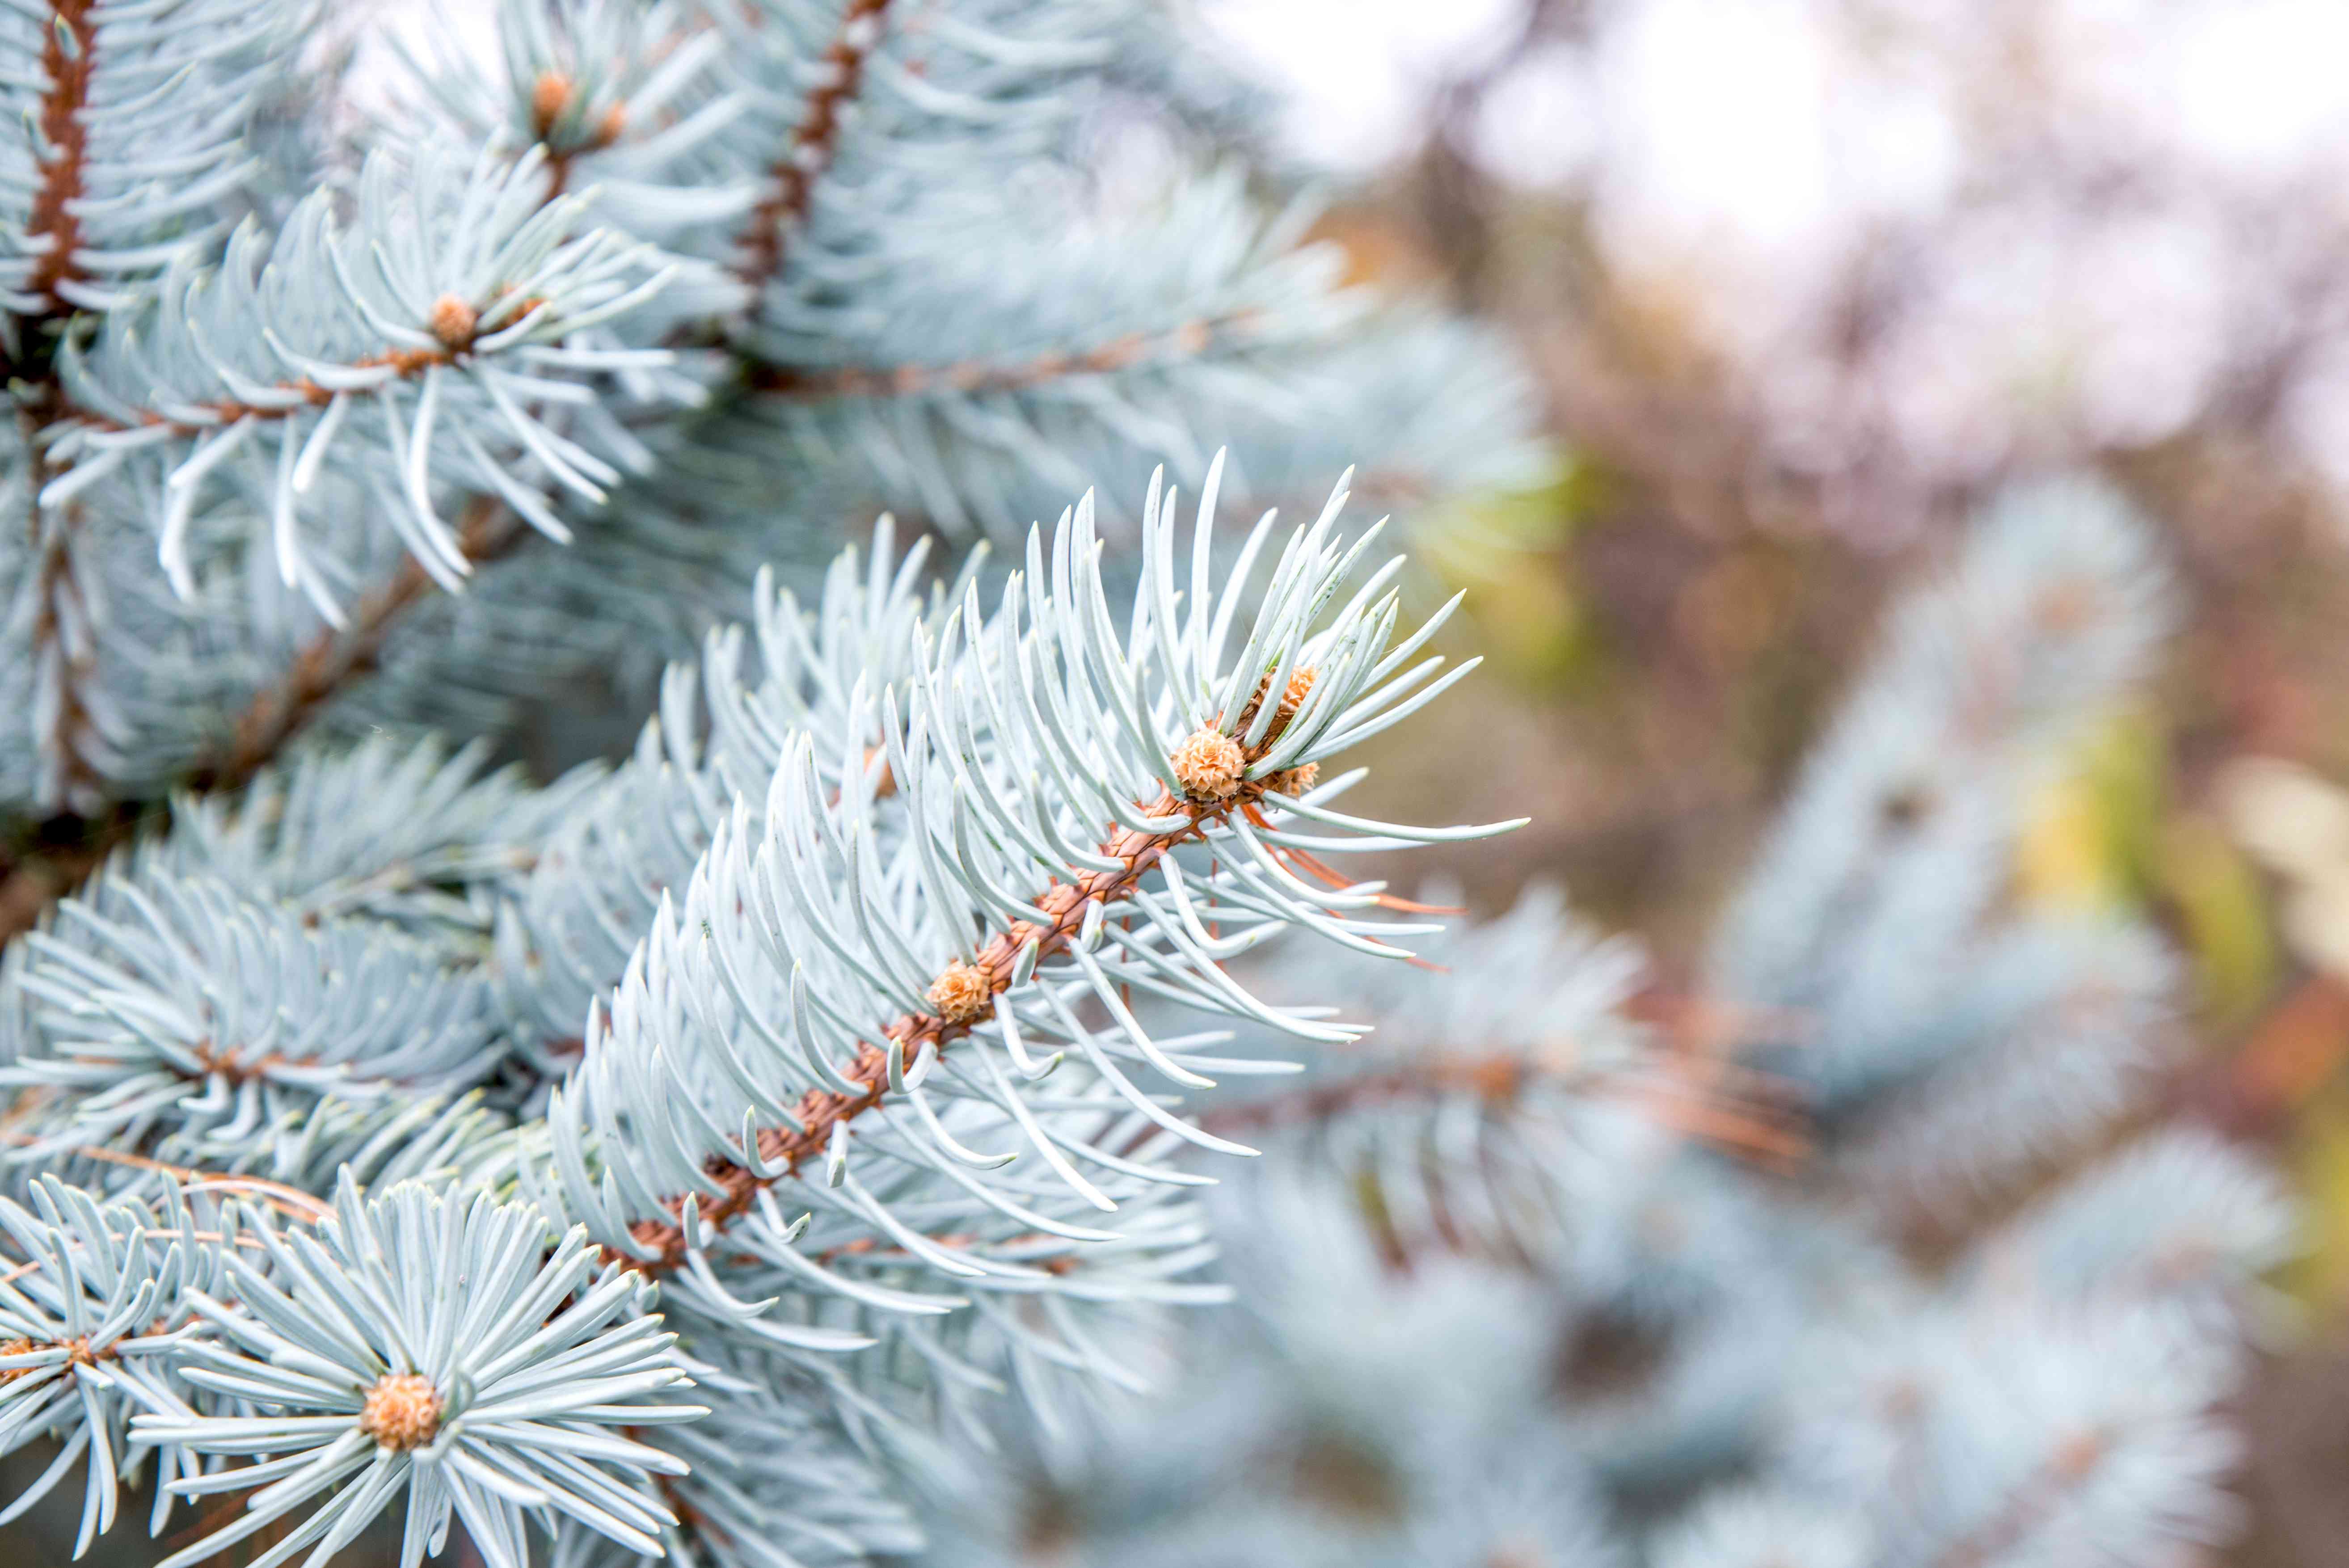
(1802, 279)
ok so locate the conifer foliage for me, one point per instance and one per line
(728, 1153)
(685, 1157)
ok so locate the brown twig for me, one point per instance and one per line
(68, 71)
(812, 143)
(1683, 1095)
(76, 1349)
(974, 987)
(59, 620)
(291, 1202)
(810, 383)
(820, 1110)
(410, 362)
(1496, 1080)
(2066, 1470)
(486, 531)
(61, 629)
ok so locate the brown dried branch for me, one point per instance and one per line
(61, 624)
(410, 362)
(1496, 1080)
(812, 143)
(486, 531)
(61, 628)
(37, 877)
(36, 874)
(291, 1202)
(812, 384)
(1756, 1119)
(2062, 1477)
(68, 71)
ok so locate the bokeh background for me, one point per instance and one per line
(1803, 279)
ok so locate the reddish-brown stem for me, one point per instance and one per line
(2032, 1503)
(322, 669)
(291, 1202)
(410, 362)
(1677, 1093)
(809, 384)
(333, 658)
(61, 623)
(812, 144)
(68, 69)
(822, 1110)
(1495, 1079)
